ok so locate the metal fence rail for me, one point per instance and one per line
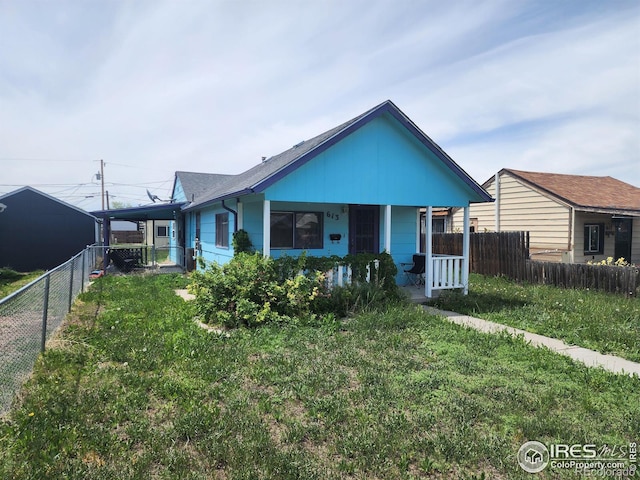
(29, 316)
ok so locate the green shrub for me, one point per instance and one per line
(252, 290)
(241, 242)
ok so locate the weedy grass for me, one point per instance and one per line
(11, 281)
(599, 321)
(132, 388)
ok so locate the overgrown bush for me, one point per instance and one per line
(251, 289)
(241, 242)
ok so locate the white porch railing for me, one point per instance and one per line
(447, 272)
(341, 275)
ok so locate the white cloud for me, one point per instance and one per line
(213, 86)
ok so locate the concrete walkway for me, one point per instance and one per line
(584, 355)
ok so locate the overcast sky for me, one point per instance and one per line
(155, 86)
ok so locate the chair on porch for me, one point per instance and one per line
(415, 274)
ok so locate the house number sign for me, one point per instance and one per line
(333, 216)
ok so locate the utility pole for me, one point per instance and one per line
(102, 180)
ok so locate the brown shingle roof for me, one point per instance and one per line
(589, 192)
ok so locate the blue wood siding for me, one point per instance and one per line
(178, 192)
(379, 164)
(211, 252)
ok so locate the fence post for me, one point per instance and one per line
(44, 312)
(82, 271)
(73, 264)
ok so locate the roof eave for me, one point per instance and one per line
(607, 210)
(196, 206)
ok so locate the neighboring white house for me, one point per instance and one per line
(157, 233)
(571, 218)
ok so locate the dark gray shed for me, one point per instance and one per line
(38, 231)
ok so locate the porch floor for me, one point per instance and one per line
(413, 293)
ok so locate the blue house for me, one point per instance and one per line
(359, 187)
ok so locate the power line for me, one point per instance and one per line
(23, 159)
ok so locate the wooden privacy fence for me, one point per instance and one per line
(507, 253)
(502, 253)
(622, 280)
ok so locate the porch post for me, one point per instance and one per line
(418, 230)
(387, 229)
(240, 215)
(465, 250)
(266, 228)
(428, 263)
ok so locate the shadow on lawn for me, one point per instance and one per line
(476, 302)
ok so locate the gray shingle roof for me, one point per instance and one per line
(195, 184)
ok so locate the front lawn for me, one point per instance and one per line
(604, 322)
(133, 388)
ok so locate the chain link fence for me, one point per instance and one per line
(29, 316)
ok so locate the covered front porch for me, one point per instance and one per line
(342, 229)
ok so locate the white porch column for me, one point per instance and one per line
(240, 217)
(266, 228)
(465, 250)
(418, 230)
(387, 229)
(428, 263)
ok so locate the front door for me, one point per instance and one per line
(623, 238)
(364, 229)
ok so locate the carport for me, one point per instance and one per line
(165, 211)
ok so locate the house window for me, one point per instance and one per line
(222, 230)
(594, 238)
(161, 231)
(198, 226)
(300, 230)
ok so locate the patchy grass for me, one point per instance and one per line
(11, 281)
(599, 321)
(133, 388)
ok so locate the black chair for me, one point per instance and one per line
(415, 274)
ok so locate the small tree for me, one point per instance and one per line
(241, 242)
